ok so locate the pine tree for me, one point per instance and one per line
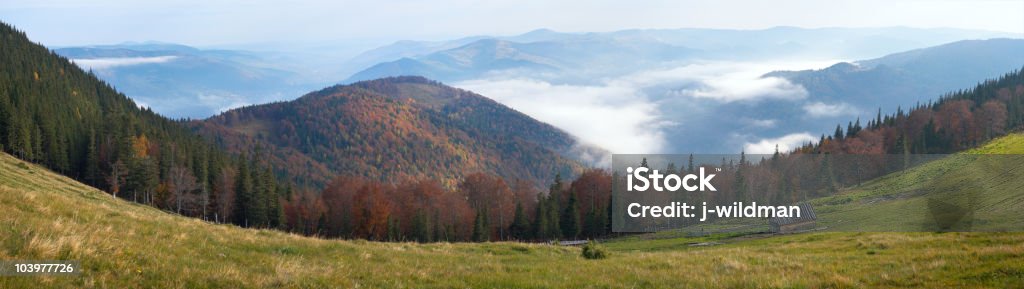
(19, 137)
(553, 229)
(540, 219)
(270, 205)
(480, 229)
(740, 182)
(420, 227)
(689, 166)
(520, 227)
(243, 194)
(394, 229)
(143, 178)
(37, 143)
(93, 175)
(591, 229)
(438, 234)
(570, 223)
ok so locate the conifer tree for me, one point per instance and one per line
(480, 228)
(571, 224)
(243, 194)
(520, 227)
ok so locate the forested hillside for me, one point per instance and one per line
(957, 121)
(396, 129)
(55, 114)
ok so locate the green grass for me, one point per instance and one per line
(989, 180)
(124, 245)
(1011, 144)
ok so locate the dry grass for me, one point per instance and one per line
(123, 245)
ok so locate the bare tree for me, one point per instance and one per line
(117, 177)
(182, 181)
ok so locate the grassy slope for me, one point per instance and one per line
(900, 201)
(46, 216)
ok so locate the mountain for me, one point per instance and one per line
(580, 57)
(402, 49)
(396, 128)
(907, 78)
(186, 82)
(493, 57)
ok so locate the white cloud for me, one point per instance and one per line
(785, 143)
(820, 109)
(762, 123)
(737, 87)
(221, 101)
(726, 81)
(614, 117)
(104, 63)
(624, 114)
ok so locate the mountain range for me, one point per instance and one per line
(187, 82)
(580, 57)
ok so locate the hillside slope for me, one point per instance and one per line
(120, 244)
(986, 182)
(396, 128)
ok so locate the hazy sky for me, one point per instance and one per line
(215, 22)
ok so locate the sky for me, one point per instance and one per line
(207, 23)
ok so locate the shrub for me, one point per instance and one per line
(594, 251)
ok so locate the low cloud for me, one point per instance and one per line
(104, 63)
(785, 143)
(725, 81)
(632, 113)
(220, 102)
(821, 109)
(615, 117)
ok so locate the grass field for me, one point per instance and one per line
(124, 245)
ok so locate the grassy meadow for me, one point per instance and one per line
(125, 245)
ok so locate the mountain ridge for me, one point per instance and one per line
(695, 42)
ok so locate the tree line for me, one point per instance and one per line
(483, 207)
